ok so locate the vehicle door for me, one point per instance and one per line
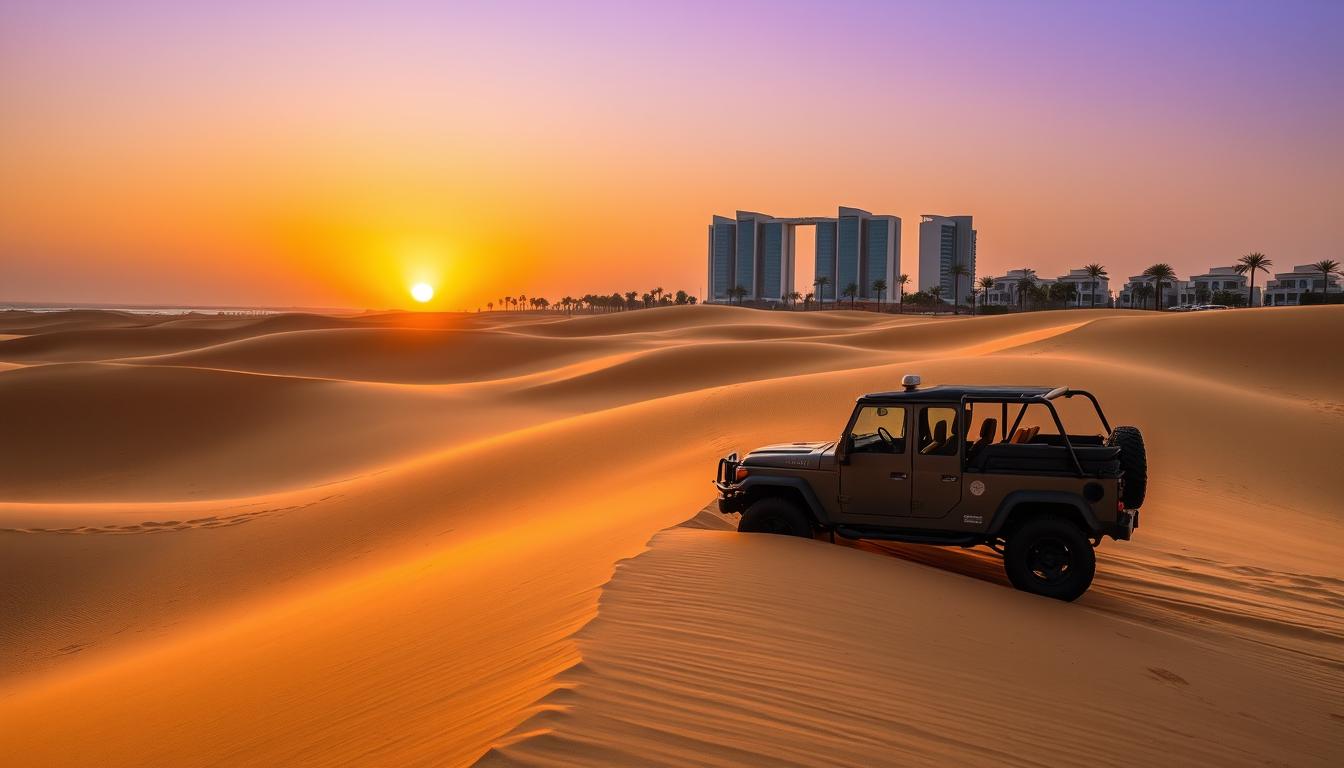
(875, 476)
(936, 475)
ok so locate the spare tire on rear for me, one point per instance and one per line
(1133, 462)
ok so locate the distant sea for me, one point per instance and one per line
(168, 310)
(145, 310)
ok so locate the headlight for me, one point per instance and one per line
(740, 474)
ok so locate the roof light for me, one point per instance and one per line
(910, 381)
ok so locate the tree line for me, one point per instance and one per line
(615, 302)
(1033, 294)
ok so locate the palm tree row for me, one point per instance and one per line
(1161, 276)
(614, 302)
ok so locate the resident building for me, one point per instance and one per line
(943, 242)
(756, 251)
(1091, 291)
(1172, 290)
(1286, 288)
(1200, 289)
(1007, 290)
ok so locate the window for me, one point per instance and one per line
(879, 429)
(938, 435)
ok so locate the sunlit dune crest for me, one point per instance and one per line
(441, 539)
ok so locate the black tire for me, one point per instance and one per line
(1133, 462)
(775, 515)
(1050, 556)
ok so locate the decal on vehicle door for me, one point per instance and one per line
(978, 488)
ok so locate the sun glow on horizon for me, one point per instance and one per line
(422, 292)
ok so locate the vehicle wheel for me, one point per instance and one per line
(1134, 463)
(1050, 556)
(775, 515)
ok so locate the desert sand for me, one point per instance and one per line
(413, 539)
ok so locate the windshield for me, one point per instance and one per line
(879, 429)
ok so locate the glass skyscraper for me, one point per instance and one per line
(850, 250)
(943, 242)
(757, 252)
(825, 257)
(722, 254)
(746, 253)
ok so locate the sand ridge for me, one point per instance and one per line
(385, 539)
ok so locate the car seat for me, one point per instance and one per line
(987, 428)
(939, 438)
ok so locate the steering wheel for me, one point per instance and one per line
(887, 439)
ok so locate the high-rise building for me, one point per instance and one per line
(826, 239)
(944, 241)
(881, 256)
(776, 261)
(756, 251)
(722, 258)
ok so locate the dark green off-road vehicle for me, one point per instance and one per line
(909, 467)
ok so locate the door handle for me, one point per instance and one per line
(949, 478)
(899, 476)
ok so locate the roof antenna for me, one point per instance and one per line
(910, 381)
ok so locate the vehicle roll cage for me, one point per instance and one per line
(1025, 400)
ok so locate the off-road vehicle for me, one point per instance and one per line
(909, 467)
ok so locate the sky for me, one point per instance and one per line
(331, 154)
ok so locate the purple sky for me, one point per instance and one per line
(328, 153)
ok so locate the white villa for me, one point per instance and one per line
(1087, 287)
(1005, 290)
(1286, 288)
(1171, 293)
(1215, 280)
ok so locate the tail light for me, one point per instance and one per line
(740, 474)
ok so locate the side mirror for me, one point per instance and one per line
(843, 448)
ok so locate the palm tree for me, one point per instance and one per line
(490, 305)
(1142, 292)
(880, 288)
(1325, 267)
(793, 297)
(957, 271)
(821, 282)
(1096, 272)
(851, 291)
(901, 281)
(1161, 272)
(1251, 263)
(807, 300)
(1062, 292)
(1025, 284)
(936, 291)
(737, 292)
(986, 284)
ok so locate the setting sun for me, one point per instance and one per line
(422, 292)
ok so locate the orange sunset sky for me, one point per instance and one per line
(333, 154)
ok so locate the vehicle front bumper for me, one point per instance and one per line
(731, 499)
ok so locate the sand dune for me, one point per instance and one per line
(393, 354)
(911, 667)
(415, 540)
